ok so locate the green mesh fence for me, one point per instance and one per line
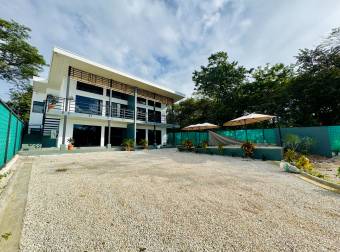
(10, 134)
(197, 138)
(327, 138)
(253, 135)
(334, 137)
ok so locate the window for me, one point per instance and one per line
(151, 103)
(151, 137)
(141, 114)
(117, 95)
(86, 135)
(141, 100)
(89, 88)
(113, 109)
(88, 105)
(38, 107)
(154, 116)
(117, 135)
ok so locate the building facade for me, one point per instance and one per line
(96, 105)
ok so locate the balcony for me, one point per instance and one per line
(57, 105)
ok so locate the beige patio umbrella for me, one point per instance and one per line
(248, 119)
(200, 126)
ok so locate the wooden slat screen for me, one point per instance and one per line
(97, 80)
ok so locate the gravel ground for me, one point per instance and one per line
(163, 200)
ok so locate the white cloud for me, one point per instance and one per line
(165, 41)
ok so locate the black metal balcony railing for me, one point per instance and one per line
(58, 104)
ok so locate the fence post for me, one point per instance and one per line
(15, 138)
(7, 140)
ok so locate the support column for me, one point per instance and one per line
(63, 145)
(135, 119)
(154, 122)
(110, 115)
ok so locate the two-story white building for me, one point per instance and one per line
(96, 105)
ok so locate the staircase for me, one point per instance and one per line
(49, 125)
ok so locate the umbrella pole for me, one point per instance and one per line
(279, 128)
(263, 134)
(245, 125)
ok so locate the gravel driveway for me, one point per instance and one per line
(163, 200)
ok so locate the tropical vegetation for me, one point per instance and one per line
(302, 94)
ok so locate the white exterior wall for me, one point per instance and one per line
(36, 118)
(84, 119)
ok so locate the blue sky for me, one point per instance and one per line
(165, 41)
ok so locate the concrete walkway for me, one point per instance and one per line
(13, 202)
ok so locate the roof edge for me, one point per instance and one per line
(115, 71)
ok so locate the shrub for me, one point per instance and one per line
(304, 164)
(220, 148)
(338, 172)
(292, 141)
(205, 144)
(306, 144)
(127, 144)
(144, 143)
(188, 144)
(248, 149)
(290, 156)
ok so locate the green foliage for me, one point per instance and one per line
(19, 61)
(144, 143)
(248, 149)
(220, 78)
(306, 144)
(188, 144)
(127, 144)
(304, 164)
(20, 101)
(292, 141)
(290, 156)
(220, 147)
(295, 143)
(304, 94)
(70, 140)
(338, 172)
(205, 144)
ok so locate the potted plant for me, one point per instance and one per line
(51, 102)
(127, 144)
(144, 143)
(70, 143)
(248, 149)
(188, 145)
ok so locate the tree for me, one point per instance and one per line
(20, 101)
(219, 81)
(267, 91)
(220, 78)
(190, 111)
(19, 61)
(315, 92)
